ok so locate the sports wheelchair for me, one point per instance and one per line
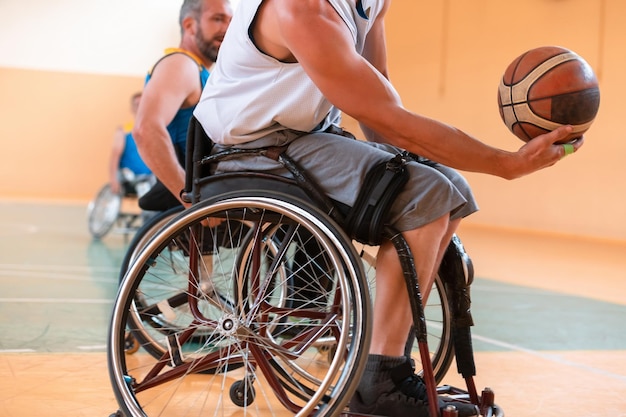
(255, 301)
(108, 209)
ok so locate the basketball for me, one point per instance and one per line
(545, 88)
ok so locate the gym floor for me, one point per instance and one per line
(550, 333)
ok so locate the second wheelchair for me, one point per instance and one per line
(118, 210)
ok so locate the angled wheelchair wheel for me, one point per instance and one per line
(103, 211)
(142, 337)
(258, 337)
(147, 231)
(439, 326)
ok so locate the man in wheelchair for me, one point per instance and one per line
(173, 87)
(287, 68)
(129, 177)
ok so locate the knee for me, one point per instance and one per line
(434, 229)
(440, 223)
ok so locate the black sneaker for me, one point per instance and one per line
(407, 397)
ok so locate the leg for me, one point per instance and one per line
(392, 301)
(452, 226)
(389, 386)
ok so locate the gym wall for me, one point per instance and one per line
(68, 68)
(67, 71)
(446, 59)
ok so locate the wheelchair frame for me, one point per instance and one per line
(456, 268)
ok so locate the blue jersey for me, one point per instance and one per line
(180, 124)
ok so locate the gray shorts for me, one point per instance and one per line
(339, 165)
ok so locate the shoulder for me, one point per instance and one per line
(310, 9)
(175, 64)
(304, 19)
(302, 9)
(174, 82)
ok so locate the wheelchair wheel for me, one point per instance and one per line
(147, 231)
(438, 320)
(103, 211)
(143, 235)
(438, 324)
(258, 350)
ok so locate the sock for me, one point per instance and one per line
(376, 379)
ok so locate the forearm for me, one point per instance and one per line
(156, 149)
(113, 169)
(115, 157)
(452, 147)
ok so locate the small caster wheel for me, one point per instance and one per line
(241, 396)
(131, 345)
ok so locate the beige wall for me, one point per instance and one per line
(57, 131)
(446, 58)
(67, 70)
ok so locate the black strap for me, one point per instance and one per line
(382, 184)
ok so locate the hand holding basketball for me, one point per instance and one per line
(545, 88)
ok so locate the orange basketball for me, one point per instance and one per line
(545, 88)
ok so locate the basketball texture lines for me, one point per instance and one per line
(545, 88)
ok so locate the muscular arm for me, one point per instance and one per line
(325, 49)
(174, 84)
(375, 52)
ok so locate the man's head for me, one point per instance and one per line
(203, 24)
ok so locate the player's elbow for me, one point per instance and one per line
(141, 133)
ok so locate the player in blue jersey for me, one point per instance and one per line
(171, 92)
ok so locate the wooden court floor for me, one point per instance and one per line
(550, 313)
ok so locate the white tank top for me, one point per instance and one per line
(250, 94)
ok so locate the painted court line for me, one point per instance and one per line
(92, 347)
(57, 276)
(58, 268)
(17, 350)
(57, 300)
